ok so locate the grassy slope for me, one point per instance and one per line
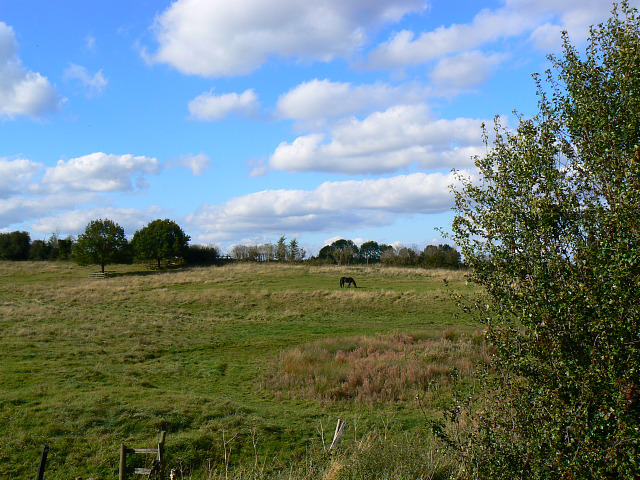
(88, 364)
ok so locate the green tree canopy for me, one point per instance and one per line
(102, 243)
(552, 231)
(341, 252)
(372, 251)
(160, 240)
(15, 245)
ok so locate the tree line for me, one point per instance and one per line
(346, 252)
(18, 246)
(104, 242)
(281, 251)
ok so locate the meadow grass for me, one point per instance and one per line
(223, 359)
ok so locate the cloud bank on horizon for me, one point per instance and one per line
(313, 120)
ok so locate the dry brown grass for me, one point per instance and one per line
(386, 368)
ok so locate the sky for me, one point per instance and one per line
(248, 120)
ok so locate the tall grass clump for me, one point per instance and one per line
(384, 368)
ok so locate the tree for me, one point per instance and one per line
(372, 251)
(202, 255)
(64, 247)
(442, 256)
(15, 245)
(40, 250)
(281, 250)
(296, 253)
(240, 252)
(343, 251)
(102, 243)
(401, 256)
(552, 232)
(160, 240)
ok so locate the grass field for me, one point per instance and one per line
(247, 367)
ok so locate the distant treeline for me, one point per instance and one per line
(346, 252)
(18, 246)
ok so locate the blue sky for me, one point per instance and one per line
(247, 120)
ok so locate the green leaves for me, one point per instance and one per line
(160, 240)
(102, 243)
(551, 232)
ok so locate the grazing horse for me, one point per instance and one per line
(348, 281)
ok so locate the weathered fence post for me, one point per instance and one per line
(122, 473)
(338, 434)
(43, 462)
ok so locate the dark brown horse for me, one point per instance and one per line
(348, 281)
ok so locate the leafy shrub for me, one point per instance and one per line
(551, 232)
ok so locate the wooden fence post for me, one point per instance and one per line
(122, 473)
(43, 462)
(161, 454)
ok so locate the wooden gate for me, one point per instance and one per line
(156, 468)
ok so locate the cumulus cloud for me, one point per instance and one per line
(22, 92)
(464, 71)
(212, 107)
(383, 142)
(324, 99)
(75, 221)
(15, 175)
(347, 204)
(94, 84)
(220, 38)
(50, 202)
(539, 20)
(20, 208)
(406, 49)
(100, 172)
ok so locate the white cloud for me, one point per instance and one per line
(324, 99)
(15, 175)
(574, 16)
(75, 221)
(219, 38)
(383, 142)
(21, 208)
(540, 20)
(94, 84)
(405, 49)
(212, 107)
(22, 92)
(90, 43)
(99, 172)
(464, 71)
(259, 167)
(333, 205)
(197, 163)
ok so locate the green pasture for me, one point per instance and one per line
(88, 364)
